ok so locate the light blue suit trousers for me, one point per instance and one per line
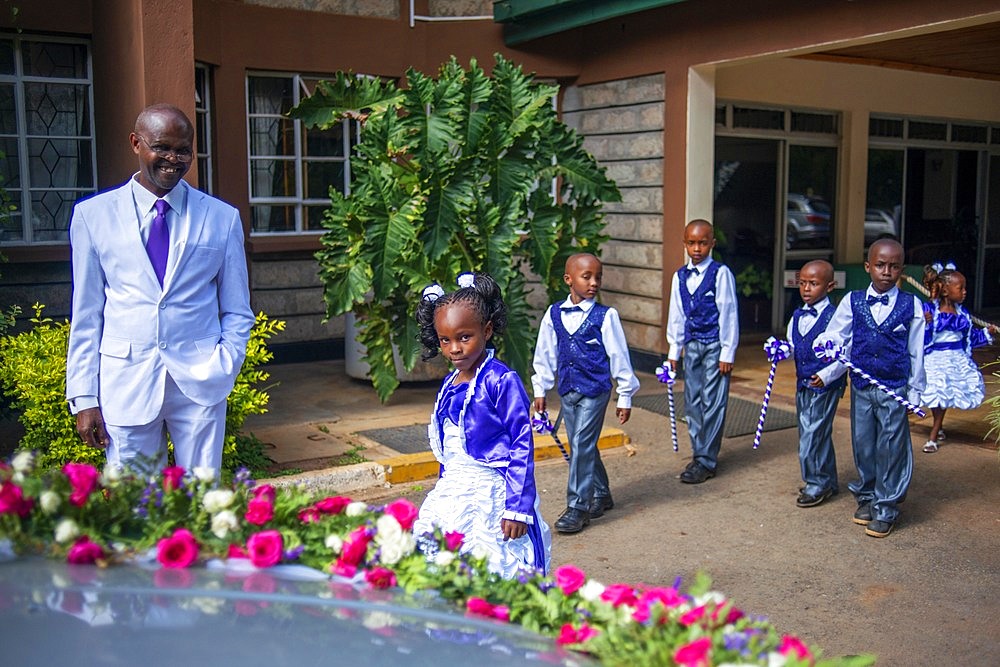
(706, 395)
(883, 452)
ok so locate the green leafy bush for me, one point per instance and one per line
(33, 377)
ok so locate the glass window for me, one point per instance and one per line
(47, 159)
(972, 134)
(924, 130)
(819, 123)
(760, 119)
(203, 126)
(885, 127)
(883, 206)
(812, 191)
(292, 167)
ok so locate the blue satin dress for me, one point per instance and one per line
(953, 378)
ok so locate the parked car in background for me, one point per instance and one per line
(808, 222)
(879, 224)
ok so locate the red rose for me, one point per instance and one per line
(83, 478)
(12, 500)
(172, 477)
(619, 594)
(265, 548)
(260, 510)
(403, 511)
(333, 504)
(310, 514)
(693, 616)
(178, 550)
(453, 540)
(570, 635)
(355, 546)
(264, 491)
(380, 577)
(570, 579)
(84, 552)
(792, 645)
(695, 654)
(237, 551)
(346, 570)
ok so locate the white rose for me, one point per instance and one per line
(395, 550)
(356, 509)
(67, 531)
(388, 529)
(50, 501)
(204, 473)
(592, 590)
(711, 596)
(112, 473)
(334, 543)
(775, 659)
(224, 522)
(23, 462)
(444, 558)
(217, 500)
(479, 551)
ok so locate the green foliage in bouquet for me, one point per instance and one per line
(466, 172)
(33, 377)
(186, 518)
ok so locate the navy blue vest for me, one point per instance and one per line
(582, 367)
(879, 350)
(701, 313)
(807, 363)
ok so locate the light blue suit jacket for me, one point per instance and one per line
(127, 333)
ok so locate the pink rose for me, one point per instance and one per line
(265, 548)
(264, 491)
(570, 579)
(178, 550)
(310, 514)
(333, 504)
(83, 478)
(355, 546)
(380, 577)
(619, 594)
(237, 551)
(570, 635)
(695, 654)
(260, 510)
(453, 540)
(342, 569)
(84, 552)
(792, 645)
(403, 511)
(692, 616)
(172, 477)
(483, 608)
(668, 597)
(12, 500)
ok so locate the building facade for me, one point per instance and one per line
(801, 130)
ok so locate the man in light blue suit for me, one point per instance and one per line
(161, 306)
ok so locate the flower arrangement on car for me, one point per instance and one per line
(186, 518)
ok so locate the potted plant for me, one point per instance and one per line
(465, 172)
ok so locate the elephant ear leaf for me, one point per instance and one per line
(346, 96)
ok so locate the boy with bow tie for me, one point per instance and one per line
(883, 329)
(702, 321)
(820, 385)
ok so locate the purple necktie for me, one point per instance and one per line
(158, 243)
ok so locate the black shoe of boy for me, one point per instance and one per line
(599, 505)
(572, 520)
(696, 473)
(877, 528)
(809, 500)
(863, 515)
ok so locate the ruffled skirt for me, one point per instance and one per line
(953, 380)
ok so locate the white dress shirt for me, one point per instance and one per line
(832, 372)
(840, 328)
(546, 358)
(725, 301)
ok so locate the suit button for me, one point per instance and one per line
(163, 346)
(162, 306)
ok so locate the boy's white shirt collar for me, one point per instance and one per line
(820, 305)
(701, 267)
(585, 304)
(871, 291)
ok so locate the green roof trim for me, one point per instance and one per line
(525, 20)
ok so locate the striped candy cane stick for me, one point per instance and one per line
(831, 352)
(668, 376)
(540, 424)
(776, 350)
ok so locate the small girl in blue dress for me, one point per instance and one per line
(953, 379)
(480, 433)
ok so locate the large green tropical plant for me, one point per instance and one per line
(465, 172)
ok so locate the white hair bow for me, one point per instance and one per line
(466, 279)
(432, 292)
(937, 266)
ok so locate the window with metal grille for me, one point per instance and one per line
(292, 167)
(46, 136)
(203, 126)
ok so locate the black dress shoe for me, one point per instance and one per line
(696, 473)
(599, 505)
(877, 528)
(572, 520)
(863, 515)
(809, 500)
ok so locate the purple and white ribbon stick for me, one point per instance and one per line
(668, 376)
(776, 351)
(831, 352)
(540, 424)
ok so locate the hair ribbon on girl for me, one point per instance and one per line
(466, 279)
(432, 292)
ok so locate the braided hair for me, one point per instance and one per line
(483, 296)
(936, 278)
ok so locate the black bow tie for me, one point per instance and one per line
(573, 309)
(884, 299)
(694, 271)
(808, 310)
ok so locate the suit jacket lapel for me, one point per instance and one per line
(126, 225)
(187, 235)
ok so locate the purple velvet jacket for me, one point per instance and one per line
(496, 431)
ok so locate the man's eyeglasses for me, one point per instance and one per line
(182, 155)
